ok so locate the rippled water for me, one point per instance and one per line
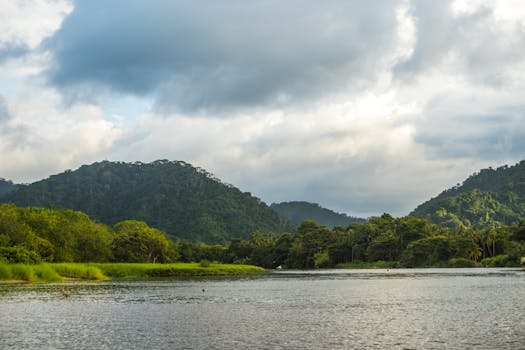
(334, 309)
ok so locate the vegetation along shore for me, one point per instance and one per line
(57, 272)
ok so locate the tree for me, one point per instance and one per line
(135, 241)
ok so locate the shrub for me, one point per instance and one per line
(18, 255)
(499, 261)
(204, 263)
(461, 262)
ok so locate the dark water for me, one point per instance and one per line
(336, 309)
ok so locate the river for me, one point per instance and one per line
(323, 309)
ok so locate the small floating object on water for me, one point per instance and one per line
(279, 267)
(203, 290)
(64, 293)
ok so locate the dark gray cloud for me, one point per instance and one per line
(206, 54)
(478, 136)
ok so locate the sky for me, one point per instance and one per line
(363, 107)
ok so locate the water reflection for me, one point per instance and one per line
(335, 309)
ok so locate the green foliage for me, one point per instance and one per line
(22, 272)
(298, 212)
(138, 271)
(461, 262)
(426, 252)
(137, 242)
(174, 197)
(204, 263)
(31, 235)
(382, 242)
(100, 271)
(491, 198)
(45, 272)
(321, 259)
(6, 186)
(79, 271)
(18, 255)
(5, 272)
(502, 260)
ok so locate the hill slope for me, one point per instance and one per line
(6, 186)
(297, 212)
(490, 198)
(175, 197)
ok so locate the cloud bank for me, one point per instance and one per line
(362, 108)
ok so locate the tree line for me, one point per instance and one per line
(32, 235)
(399, 242)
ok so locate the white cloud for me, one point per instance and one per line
(28, 22)
(402, 99)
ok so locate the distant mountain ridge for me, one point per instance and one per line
(299, 211)
(6, 186)
(173, 196)
(489, 198)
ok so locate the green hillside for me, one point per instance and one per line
(490, 198)
(6, 186)
(298, 212)
(175, 197)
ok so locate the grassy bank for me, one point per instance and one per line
(96, 272)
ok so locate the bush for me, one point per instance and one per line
(461, 262)
(18, 255)
(204, 263)
(499, 261)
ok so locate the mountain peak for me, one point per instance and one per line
(174, 196)
(488, 198)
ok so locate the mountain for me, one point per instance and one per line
(297, 212)
(175, 197)
(490, 198)
(6, 186)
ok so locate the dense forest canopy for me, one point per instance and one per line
(490, 198)
(175, 197)
(32, 235)
(6, 186)
(478, 223)
(299, 211)
(384, 241)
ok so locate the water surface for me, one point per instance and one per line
(324, 309)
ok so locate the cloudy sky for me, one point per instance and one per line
(364, 107)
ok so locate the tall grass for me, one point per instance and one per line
(137, 271)
(100, 271)
(79, 271)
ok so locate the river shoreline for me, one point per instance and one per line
(62, 272)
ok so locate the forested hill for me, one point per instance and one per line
(6, 186)
(490, 198)
(297, 212)
(175, 197)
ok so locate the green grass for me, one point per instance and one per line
(137, 271)
(96, 271)
(79, 271)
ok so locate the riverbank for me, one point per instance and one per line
(55, 272)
